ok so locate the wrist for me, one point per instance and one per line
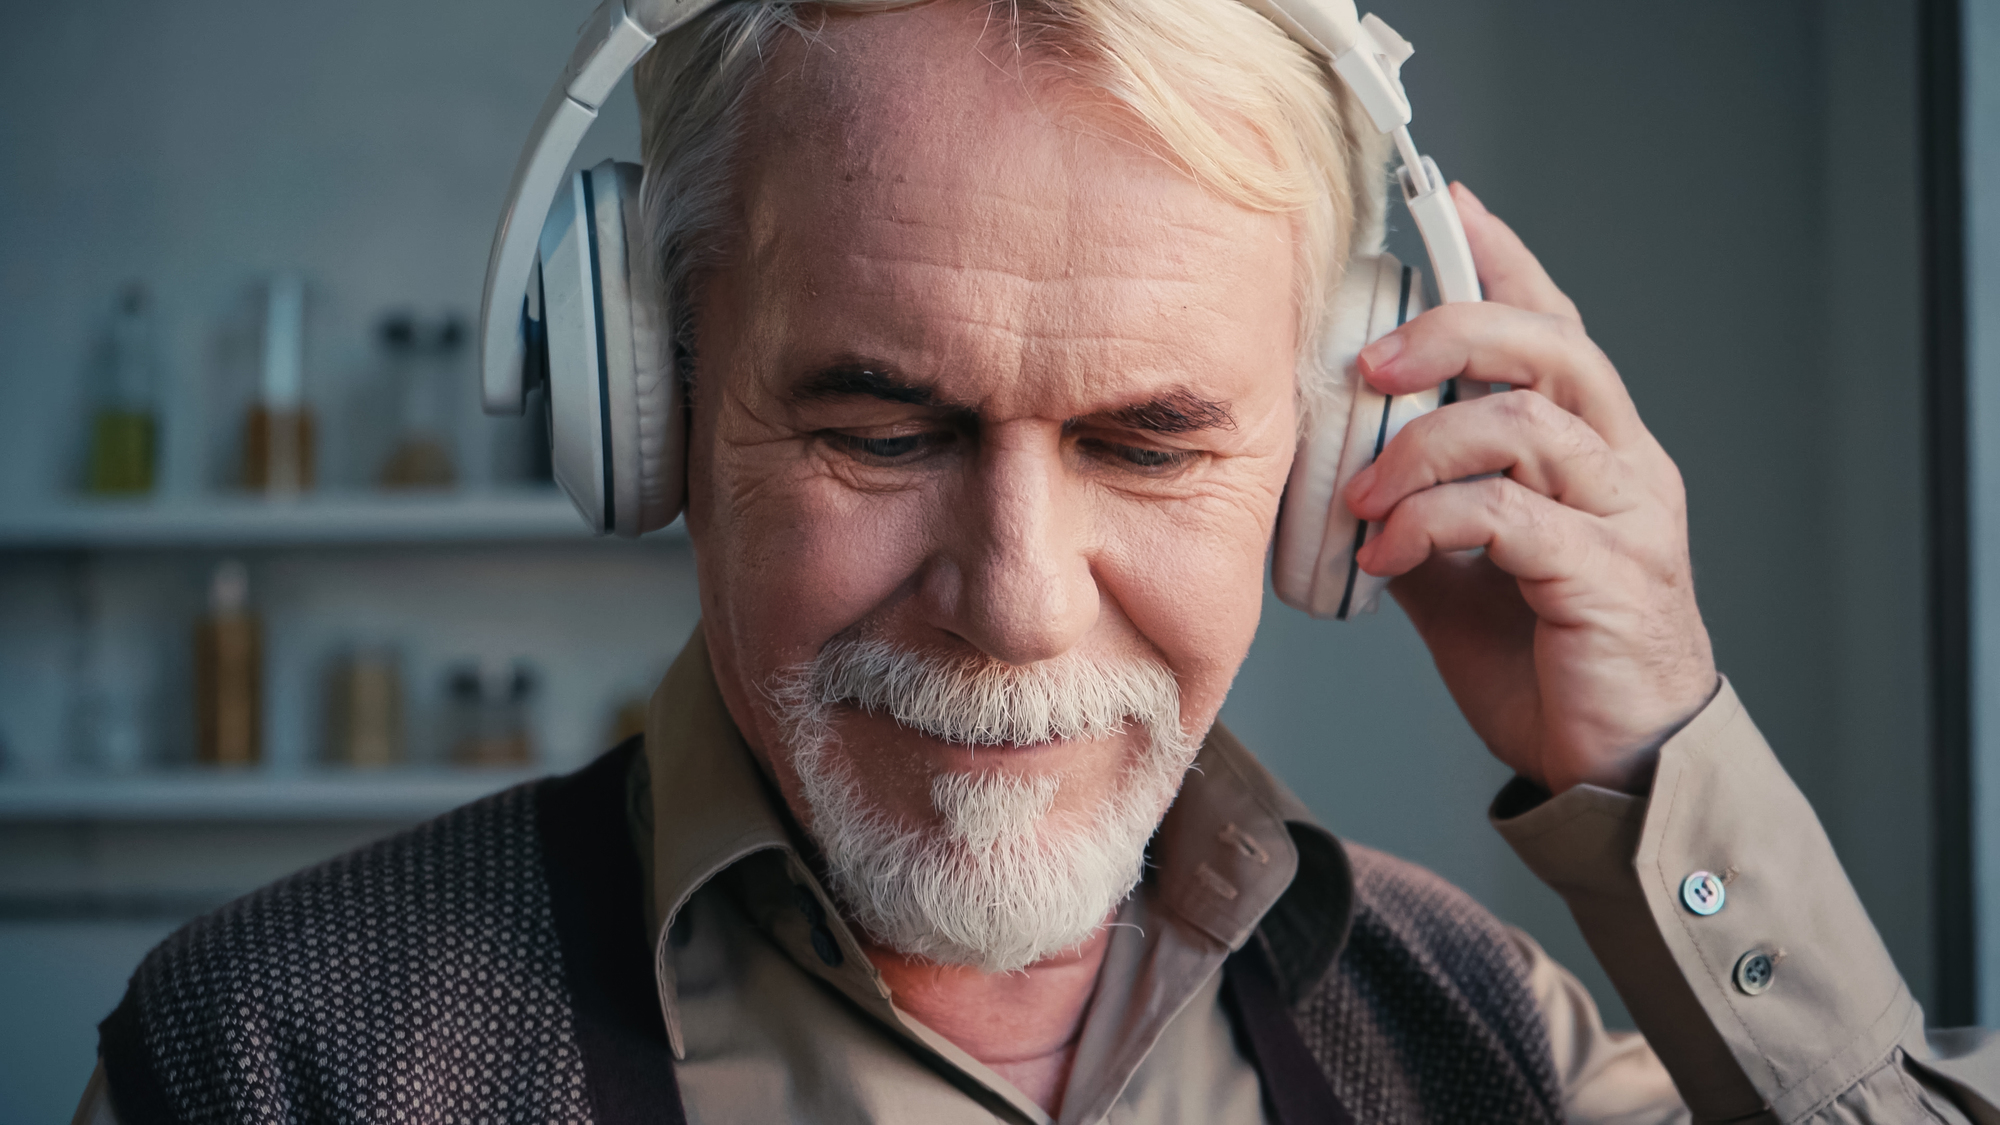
(1630, 770)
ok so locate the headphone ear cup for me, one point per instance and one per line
(580, 441)
(614, 409)
(1312, 567)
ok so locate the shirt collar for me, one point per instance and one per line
(1224, 860)
(711, 807)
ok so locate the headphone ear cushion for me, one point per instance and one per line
(617, 435)
(659, 464)
(1311, 510)
(1312, 565)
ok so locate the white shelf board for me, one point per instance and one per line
(327, 518)
(214, 794)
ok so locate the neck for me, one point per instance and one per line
(1023, 1025)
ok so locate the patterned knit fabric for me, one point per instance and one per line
(424, 979)
(1427, 1016)
(418, 979)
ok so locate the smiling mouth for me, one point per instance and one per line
(995, 742)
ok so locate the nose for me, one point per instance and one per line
(1016, 580)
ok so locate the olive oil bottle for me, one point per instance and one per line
(124, 431)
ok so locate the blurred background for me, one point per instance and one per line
(271, 587)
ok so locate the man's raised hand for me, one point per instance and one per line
(1572, 642)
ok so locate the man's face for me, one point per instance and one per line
(981, 379)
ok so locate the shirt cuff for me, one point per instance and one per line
(1790, 1032)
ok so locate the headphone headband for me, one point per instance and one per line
(1364, 53)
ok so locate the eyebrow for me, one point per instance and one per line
(1176, 412)
(865, 380)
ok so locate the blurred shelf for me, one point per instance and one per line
(216, 795)
(328, 518)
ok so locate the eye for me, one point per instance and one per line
(1144, 459)
(898, 449)
(889, 447)
(1151, 458)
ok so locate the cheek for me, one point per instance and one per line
(791, 557)
(1192, 584)
(787, 556)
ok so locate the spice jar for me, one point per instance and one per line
(487, 706)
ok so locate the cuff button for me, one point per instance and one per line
(1754, 971)
(1702, 892)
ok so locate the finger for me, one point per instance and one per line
(1523, 533)
(1492, 343)
(1523, 435)
(1509, 273)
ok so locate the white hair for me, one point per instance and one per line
(1008, 880)
(1219, 91)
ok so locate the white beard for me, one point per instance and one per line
(1006, 881)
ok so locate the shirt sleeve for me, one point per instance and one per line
(1764, 991)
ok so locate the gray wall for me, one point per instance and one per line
(1727, 190)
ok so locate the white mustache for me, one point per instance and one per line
(980, 702)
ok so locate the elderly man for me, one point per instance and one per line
(992, 325)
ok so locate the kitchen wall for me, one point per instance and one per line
(1728, 191)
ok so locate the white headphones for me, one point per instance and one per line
(596, 330)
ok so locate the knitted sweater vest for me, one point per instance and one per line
(492, 966)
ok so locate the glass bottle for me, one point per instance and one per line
(278, 433)
(124, 427)
(423, 361)
(228, 673)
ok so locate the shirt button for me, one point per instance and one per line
(1754, 972)
(1703, 893)
(808, 904)
(827, 948)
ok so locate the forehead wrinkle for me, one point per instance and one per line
(877, 176)
(1064, 237)
(1023, 331)
(905, 199)
(873, 169)
(1005, 334)
(1019, 375)
(931, 272)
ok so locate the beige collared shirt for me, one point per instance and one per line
(777, 1016)
(743, 978)
(780, 1017)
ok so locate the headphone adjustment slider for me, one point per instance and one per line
(1373, 69)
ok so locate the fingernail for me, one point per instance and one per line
(1376, 357)
(1473, 199)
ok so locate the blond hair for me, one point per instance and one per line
(1219, 91)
